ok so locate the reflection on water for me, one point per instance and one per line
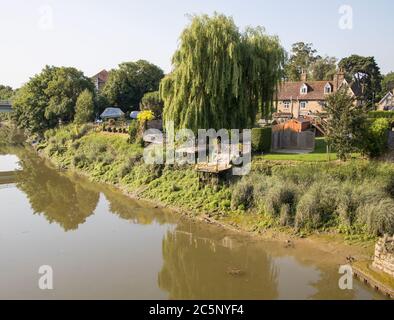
(101, 244)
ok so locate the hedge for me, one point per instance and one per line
(381, 114)
(261, 139)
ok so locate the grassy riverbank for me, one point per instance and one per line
(355, 199)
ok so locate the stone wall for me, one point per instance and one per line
(384, 255)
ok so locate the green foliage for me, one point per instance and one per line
(387, 83)
(49, 97)
(261, 139)
(381, 114)
(304, 58)
(133, 131)
(375, 141)
(355, 198)
(152, 101)
(84, 110)
(345, 125)
(6, 92)
(221, 77)
(365, 72)
(127, 85)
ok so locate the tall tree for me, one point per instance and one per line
(49, 97)
(127, 85)
(153, 102)
(345, 125)
(302, 57)
(84, 110)
(388, 83)
(6, 92)
(221, 78)
(324, 68)
(366, 73)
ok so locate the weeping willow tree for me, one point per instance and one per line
(221, 77)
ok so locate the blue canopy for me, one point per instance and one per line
(134, 114)
(112, 113)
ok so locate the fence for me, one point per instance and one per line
(283, 138)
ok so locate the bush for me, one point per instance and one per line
(376, 139)
(261, 139)
(281, 194)
(242, 195)
(317, 206)
(133, 131)
(378, 216)
(381, 114)
(152, 101)
(84, 110)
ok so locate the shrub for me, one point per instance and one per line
(133, 131)
(376, 137)
(84, 109)
(242, 194)
(381, 114)
(153, 102)
(317, 206)
(378, 216)
(261, 139)
(282, 193)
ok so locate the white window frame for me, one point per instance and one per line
(327, 89)
(303, 105)
(304, 89)
(286, 105)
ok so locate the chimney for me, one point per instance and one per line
(338, 78)
(304, 76)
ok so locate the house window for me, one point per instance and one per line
(328, 88)
(304, 89)
(286, 104)
(303, 105)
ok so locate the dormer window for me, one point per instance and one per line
(304, 89)
(328, 88)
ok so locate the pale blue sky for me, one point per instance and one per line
(96, 34)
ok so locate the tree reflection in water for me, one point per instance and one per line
(202, 263)
(54, 195)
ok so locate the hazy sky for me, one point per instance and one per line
(96, 34)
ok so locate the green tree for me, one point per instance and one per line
(221, 78)
(345, 124)
(153, 102)
(302, 57)
(6, 92)
(84, 110)
(127, 85)
(388, 83)
(365, 72)
(49, 97)
(324, 68)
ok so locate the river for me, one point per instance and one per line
(101, 244)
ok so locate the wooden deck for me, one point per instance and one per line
(213, 168)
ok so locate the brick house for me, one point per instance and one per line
(387, 103)
(307, 98)
(100, 79)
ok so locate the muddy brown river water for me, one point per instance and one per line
(101, 244)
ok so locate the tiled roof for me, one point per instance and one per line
(102, 76)
(292, 90)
